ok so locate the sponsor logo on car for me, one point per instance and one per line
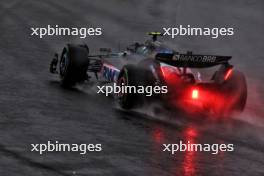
(110, 73)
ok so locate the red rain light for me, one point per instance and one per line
(195, 94)
(228, 73)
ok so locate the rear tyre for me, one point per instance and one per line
(235, 92)
(130, 75)
(73, 65)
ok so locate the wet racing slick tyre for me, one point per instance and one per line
(130, 75)
(73, 65)
(234, 90)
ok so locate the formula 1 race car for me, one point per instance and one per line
(153, 63)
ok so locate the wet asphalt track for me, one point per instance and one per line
(34, 109)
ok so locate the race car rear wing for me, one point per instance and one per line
(192, 61)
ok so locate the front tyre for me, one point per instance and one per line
(73, 65)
